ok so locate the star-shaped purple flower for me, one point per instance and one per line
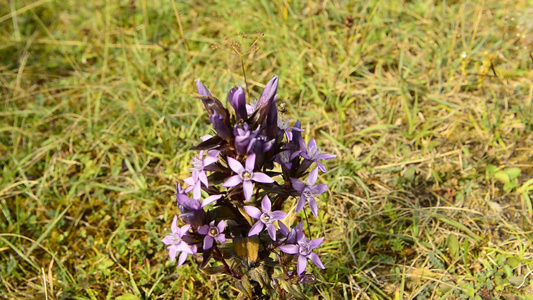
(308, 191)
(198, 166)
(284, 125)
(175, 242)
(293, 235)
(265, 217)
(194, 203)
(213, 233)
(245, 175)
(303, 249)
(312, 153)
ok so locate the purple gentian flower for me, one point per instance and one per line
(266, 218)
(194, 203)
(217, 120)
(175, 242)
(262, 144)
(268, 93)
(244, 138)
(213, 233)
(284, 125)
(245, 175)
(294, 235)
(308, 191)
(304, 249)
(265, 101)
(202, 90)
(283, 158)
(191, 209)
(198, 166)
(237, 99)
(250, 108)
(312, 153)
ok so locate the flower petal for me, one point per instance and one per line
(174, 226)
(315, 243)
(321, 167)
(167, 240)
(208, 242)
(172, 253)
(221, 226)
(210, 200)
(209, 160)
(271, 231)
(319, 189)
(283, 228)
(326, 156)
(248, 189)
(252, 211)
(297, 185)
(278, 215)
(183, 257)
(289, 249)
(235, 165)
(256, 228)
(313, 206)
(202, 90)
(266, 205)
(300, 204)
(221, 238)
(203, 178)
(203, 229)
(232, 181)
(312, 145)
(261, 177)
(315, 259)
(183, 230)
(302, 264)
(250, 162)
(313, 176)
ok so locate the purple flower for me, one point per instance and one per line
(198, 166)
(213, 233)
(265, 102)
(308, 191)
(303, 250)
(217, 120)
(175, 242)
(268, 93)
(266, 218)
(312, 153)
(202, 90)
(284, 125)
(244, 138)
(284, 159)
(262, 144)
(245, 175)
(237, 99)
(250, 108)
(294, 235)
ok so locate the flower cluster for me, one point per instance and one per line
(231, 206)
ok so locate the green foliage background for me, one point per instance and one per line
(428, 105)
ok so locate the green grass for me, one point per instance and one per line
(428, 105)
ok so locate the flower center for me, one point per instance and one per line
(213, 231)
(304, 249)
(314, 153)
(175, 239)
(197, 164)
(246, 175)
(266, 218)
(308, 194)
